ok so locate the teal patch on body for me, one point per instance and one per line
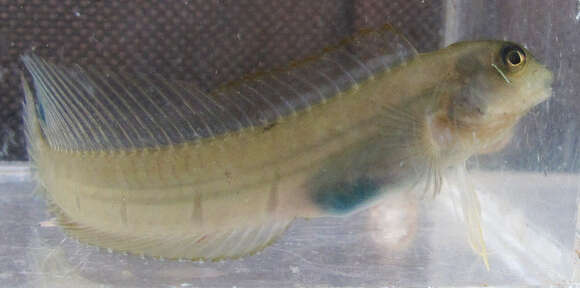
(344, 197)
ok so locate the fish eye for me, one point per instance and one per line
(513, 57)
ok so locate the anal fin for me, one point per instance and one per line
(215, 245)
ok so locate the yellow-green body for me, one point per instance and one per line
(239, 177)
(196, 192)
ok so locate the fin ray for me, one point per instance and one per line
(92, 122)
(232, 243)
(90, 109)
(67, 118)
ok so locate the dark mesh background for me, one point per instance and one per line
(207, 42)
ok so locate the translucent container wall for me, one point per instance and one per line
(528, 191)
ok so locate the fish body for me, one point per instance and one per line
(202, 176)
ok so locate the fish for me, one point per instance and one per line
(139, 163)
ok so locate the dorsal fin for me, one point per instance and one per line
(88, 109)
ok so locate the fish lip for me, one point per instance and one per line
(548, 82)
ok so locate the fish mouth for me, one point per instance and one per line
(549, 81)
(539, 85)
(546, 85)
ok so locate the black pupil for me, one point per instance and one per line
(514, 58)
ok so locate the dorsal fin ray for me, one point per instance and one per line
(91, 109)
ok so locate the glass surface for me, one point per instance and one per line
(403, 242)
(528, 193)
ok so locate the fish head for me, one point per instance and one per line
(498, 81)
